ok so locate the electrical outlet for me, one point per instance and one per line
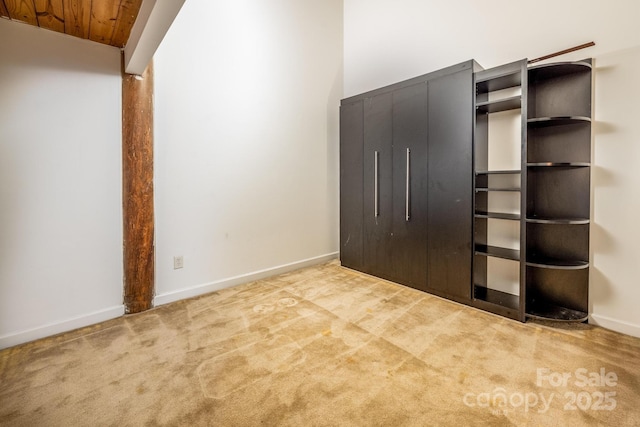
(178, 262)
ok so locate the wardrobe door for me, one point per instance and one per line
(409, 239)
(351, 151)
(450, 185)
(377, 185)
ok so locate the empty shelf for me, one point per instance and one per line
(555, 263)
(496, 189)
(498, 105)
(558, 69)
(498, 252)
(557, 121)
(487, 83)
(498, 215)
(499, 172)
(547, 311)
(549, 220)
(496, 297)
(559, 165)
(501, 77)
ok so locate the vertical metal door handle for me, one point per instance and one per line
(375, 183)
(408, 184)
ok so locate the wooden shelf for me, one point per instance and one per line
(559, 165)
(498, 215)
(546, 220)
(558, 69)
(558, 264)
(499, 172)
(490, 82)
(496, 189)
(497, 302)
(546, 311)
(496, 297)
(498, 252)
(540, 122)
(499, 105)
(501, 77)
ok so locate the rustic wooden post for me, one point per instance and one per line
(137, 190)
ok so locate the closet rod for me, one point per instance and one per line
(562, 52)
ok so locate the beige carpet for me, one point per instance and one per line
(323, 346)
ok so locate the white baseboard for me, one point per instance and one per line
(615, 325)
(239, 280)
(88, 319)
(58, 327)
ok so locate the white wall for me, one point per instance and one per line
(615, 232)
(246, 134)
(390, 40)
(60, 183)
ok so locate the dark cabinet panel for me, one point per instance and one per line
(450, 185)
(409, 240)
(377, 186)
(351, 192)
(413, 140)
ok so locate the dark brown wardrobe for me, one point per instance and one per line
(417, 193)
(406, 182)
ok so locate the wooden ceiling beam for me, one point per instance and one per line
(138, 26)
(22, 10)
(153, 22)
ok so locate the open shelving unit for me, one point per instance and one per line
(555, 206)
(558, 168)
(489, 99)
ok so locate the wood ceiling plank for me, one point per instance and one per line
(77, 15)
(104, 15)
(3, 10)
(126, 17)
(50, 14)
(22, 10)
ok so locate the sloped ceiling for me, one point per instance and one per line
(103, 21)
